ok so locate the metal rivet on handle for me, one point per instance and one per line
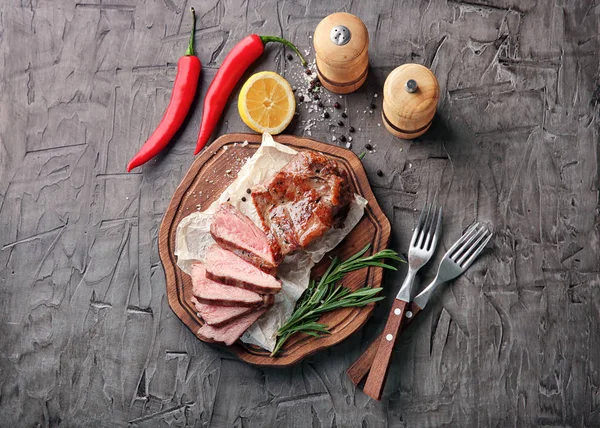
(340, 35)
(397, 311)
(409, 314)
(389, 337)
(411, 86)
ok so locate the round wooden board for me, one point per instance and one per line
(208, 177)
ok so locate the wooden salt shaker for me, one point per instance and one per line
(341, 43)
(410, 96)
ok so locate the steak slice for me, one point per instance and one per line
(225, 267)
(307, 197)
(211, 292)
(235, 232)
(231, 331)
(219, 315)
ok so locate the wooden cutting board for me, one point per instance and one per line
(208, 177)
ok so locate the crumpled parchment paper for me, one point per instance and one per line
(193, 238)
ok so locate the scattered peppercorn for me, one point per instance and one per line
(320, 104)
(337, 105)
(308, 71)
(373, 106)
(248, 191)
(368, 146)
(228, 199)
(344, 115)
(315, 96)
(326, 115)
(343, 138)
(312, 84)
(351, 129)
(340, 123)
(290, 57)
(301, 98)
(294, 90)
(380, 173)
(243, 199)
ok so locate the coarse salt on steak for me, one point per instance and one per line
(235, 232)
(225, 267)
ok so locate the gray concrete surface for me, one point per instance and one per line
(86, 335)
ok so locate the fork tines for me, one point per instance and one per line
(470, 244)
(428, 227)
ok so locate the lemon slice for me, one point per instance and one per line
(267, 103)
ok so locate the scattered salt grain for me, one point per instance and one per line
(349, 138)
(228, 171)
(245, 143)
(348, 145)
(333, 138)
(379, 124)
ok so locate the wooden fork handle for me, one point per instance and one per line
(361, 367)
(379, 370)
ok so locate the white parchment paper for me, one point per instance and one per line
(193, 238)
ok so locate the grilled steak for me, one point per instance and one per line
(211, 292)
(225, 267)
(307, 197)
(235, 232)
(231, 331)
(219, 315)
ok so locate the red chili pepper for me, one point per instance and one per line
(184, 90)
(233, 68)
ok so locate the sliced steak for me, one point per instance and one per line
(307, 197)
(235, 232)
(231, 331)
(211, 292)
(225, 267)
(219, 315)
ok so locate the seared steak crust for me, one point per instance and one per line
(307, 197)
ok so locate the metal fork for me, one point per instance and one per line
(422, 246)
(456, 261)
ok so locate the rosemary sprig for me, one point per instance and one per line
(323, 295)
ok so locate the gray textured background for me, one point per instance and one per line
(87, 337)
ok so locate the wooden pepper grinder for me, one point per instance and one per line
(410, 96)
(341, 43)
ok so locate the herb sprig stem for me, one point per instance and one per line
(324, 296)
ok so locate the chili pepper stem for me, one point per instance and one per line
(267, 39)
(190, 49)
